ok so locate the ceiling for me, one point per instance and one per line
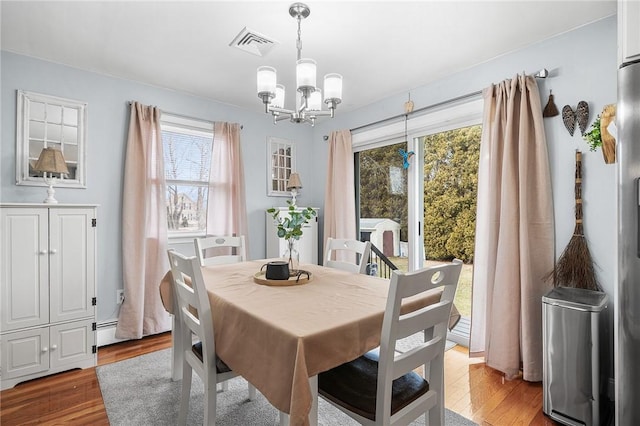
(381, 48)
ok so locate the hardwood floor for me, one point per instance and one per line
(472, 389)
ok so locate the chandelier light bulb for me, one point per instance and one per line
(266, 80)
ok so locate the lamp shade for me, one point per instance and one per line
(278, 100)
(266, 80)
(306, 73)
(333, 87)
(51, 160)
(294, 182)
(314, 103)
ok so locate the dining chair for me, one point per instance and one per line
(200, 357)
(381, 387)
(225, 249)
(336, 250)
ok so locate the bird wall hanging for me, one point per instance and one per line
(405, 157)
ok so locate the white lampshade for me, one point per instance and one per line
(278, 101)
(315, 101)
(266, 80)
(333, 86)
(306, 73)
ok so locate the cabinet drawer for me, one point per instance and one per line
(24, 352)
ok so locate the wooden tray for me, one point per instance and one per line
(259, 278)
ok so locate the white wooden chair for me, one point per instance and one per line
(339, 248)
(380, 387)
(226, 249)
(200, 357)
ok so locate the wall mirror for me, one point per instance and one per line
(281, 159)
(45, 121)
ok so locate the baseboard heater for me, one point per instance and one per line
(106, 333)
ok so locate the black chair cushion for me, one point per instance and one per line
(353, 385)
(221, 367)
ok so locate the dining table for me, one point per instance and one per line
(279, 337)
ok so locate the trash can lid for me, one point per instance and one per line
(577, 298)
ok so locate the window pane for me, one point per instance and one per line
(450, 190)
(54, 132)
(70, 134)
(54, 114)
(36, 111)
(36, 130)
(186, 156)
(383, 202)
(186, 208)
(70, 116)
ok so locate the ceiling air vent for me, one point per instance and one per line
(253, 42)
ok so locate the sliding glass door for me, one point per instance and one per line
(417, 191)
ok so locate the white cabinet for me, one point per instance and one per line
(307, 245)
(47, 303)
(628, 30)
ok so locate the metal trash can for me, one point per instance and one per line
(571, 360)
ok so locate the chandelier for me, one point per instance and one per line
(309, 102)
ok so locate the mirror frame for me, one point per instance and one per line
(278, 175)
(23, 116)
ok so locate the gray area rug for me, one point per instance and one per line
(139, 391)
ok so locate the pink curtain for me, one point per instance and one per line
(144, 228)
(514, 231)
(339, 198)
(227, 209)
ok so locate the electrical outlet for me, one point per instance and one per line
(119, 296)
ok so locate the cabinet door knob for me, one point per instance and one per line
(54, 347)
(45, 349)
(53, 251)
(43, 252)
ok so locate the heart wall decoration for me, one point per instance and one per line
(580, 115)
(569, 119)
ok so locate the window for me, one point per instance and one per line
(50, 122)
(187, 145)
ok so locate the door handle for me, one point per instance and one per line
(43, 252)
(53, 251)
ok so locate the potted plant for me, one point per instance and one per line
(598, 136)
(290, 225)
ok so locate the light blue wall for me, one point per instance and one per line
(108, 116)
(583, 67)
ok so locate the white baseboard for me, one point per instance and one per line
(107, 333)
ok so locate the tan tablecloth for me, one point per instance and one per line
(278, 337)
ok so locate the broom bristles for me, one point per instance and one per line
(575, 268)
(550, 110)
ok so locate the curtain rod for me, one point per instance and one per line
(543, 73)
(186, 116)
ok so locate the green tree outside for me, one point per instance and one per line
(450, 191)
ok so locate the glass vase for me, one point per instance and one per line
(292, 256)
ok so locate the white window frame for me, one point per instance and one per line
(196, 127)
(449, 116)
(24, 139)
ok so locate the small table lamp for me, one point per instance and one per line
(293, 185)
(50, 161)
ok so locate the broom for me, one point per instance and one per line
(575, 268)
